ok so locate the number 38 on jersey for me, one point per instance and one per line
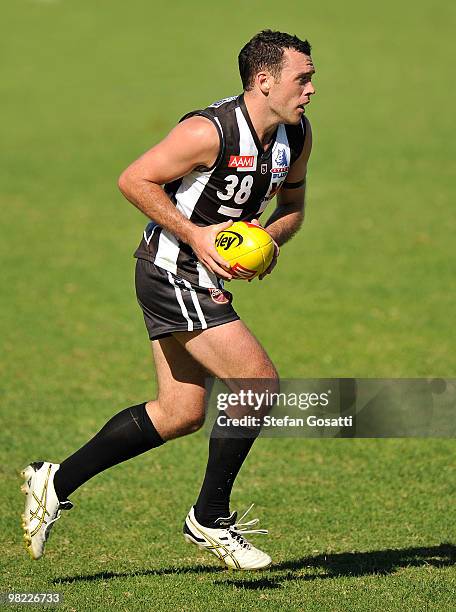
(239, 192)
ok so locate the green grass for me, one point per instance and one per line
(367, 290)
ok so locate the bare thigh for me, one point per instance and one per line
(231, 352)
(179, 407)
(228, 351)
(184, 363)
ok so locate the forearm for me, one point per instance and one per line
(284, 222)
(151, 200)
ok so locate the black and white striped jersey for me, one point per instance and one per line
(239, 185)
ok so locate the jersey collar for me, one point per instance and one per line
(263, 154)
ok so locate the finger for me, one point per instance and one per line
(276, 249)
(209, 254)
(219, 227)
(271, 267)
(218, 270)
(215, 255)
(221, 272)
(255, 222)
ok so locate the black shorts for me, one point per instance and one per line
(173, 304)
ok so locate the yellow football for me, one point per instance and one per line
(248, 249)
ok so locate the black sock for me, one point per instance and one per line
(128, 434)
(228, 448)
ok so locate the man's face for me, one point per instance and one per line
(290, 92)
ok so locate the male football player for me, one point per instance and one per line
(217, 165)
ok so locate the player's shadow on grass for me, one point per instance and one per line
(375, 562)
(352, 564)
(326, 565)
(165, 571)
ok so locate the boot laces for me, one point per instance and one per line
(239, 529)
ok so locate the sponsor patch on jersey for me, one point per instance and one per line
(280, 172)
(281, 167)
(220, 297)
(242, 162)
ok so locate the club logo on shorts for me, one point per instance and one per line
(179, 282)
(242, 162)
(220, 297)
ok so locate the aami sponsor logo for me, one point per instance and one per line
(227, 239)
(244, 162)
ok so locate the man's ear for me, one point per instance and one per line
(263, 81)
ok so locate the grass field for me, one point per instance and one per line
(366, 290)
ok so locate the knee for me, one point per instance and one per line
(176, 417)
(194, 422)
(191, 415)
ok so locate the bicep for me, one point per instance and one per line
(192, 143)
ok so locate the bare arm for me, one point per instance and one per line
(192, 143)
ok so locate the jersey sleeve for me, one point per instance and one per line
(296, 137)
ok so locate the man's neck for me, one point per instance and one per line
(264, 122)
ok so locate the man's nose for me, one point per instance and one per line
(310, 89)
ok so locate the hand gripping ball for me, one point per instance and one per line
(248, 249)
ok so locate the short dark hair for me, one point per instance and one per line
(265, 50)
